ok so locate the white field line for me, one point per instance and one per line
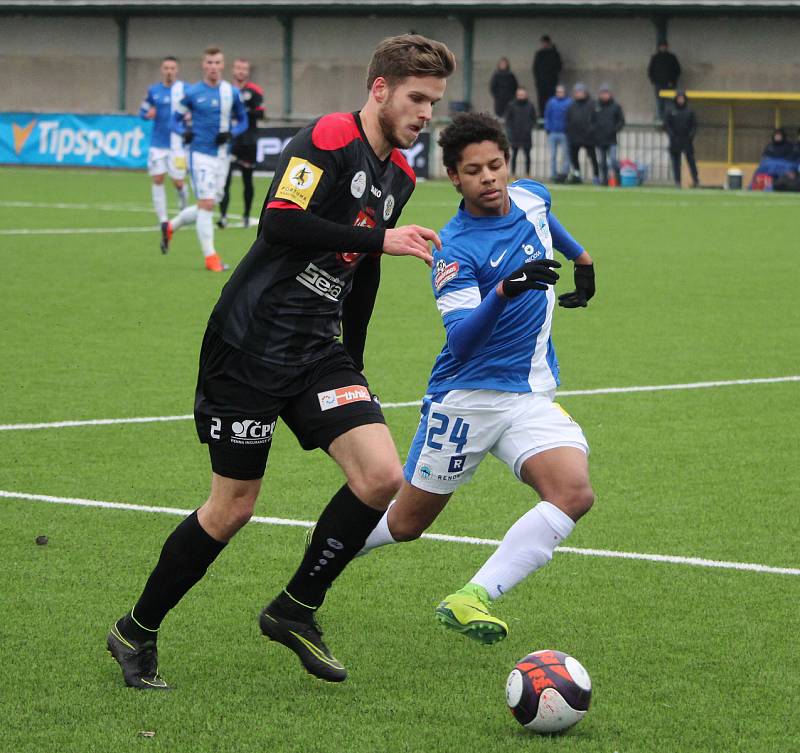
(100, 230)
(415, 403)
(137, 208)
(661, 558)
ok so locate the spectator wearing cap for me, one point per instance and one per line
(502, 86)
(580, 131)
(555, 125)
(609, 121)
(546, 70)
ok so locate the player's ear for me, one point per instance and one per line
(454, 179)
(380, 90)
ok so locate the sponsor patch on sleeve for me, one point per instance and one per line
(299, 182)
(444, 273)
(355, 393)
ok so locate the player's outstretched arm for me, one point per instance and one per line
(411, 240)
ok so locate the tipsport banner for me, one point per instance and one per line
(119, 141)
(271, 141)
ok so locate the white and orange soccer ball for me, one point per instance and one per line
(548, 691)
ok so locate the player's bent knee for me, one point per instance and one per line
(407, 530)
(377, 486)
(580, 501)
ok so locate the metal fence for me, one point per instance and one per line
(645, 144)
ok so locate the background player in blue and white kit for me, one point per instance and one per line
(166, 155)
(209, 116)
(493, 384)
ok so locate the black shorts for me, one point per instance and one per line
(239, 399)
(245, 153)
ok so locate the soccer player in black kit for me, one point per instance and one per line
(271, 351)
(244, 146)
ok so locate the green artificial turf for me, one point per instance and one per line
(692, 287)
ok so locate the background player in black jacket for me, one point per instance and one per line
(271, 350)
(244, 147)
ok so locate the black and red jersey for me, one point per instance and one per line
(283, 303)
(252, 95)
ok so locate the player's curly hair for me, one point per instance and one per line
(405, 55)
(470, 128)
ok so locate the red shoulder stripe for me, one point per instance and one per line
(278, 204)
(399, 159)
(335, 131)
(255, 87)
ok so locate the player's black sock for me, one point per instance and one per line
(185, 557)
(247, 179)
(338, 536)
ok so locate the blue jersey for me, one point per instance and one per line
(477, 253)
(166, 100)
(214, 110)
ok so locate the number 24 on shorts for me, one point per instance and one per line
(458, 436)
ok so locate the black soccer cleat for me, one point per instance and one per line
(222, 222)
(166, 236)
(139, 661)
(305, 639)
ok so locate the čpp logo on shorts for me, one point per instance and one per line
(342, 396)
(251, 432)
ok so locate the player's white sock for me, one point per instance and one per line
(186, 217)
(527, 546)
(159, 201)
(183, 196)
(205, 231)
(381, 535)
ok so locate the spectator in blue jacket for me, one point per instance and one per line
(555, 125)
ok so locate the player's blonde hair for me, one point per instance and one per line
(212, 51)
(396, 58)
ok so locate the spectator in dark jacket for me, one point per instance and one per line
(663, 71)
(520, 121)
(502, 85)
(780, 147)
(680, 123)
(546, 70)
(580, 131)
(555, 125)
(609, 121)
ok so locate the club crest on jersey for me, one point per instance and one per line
(299, 181)
(531, 251)
(355, 393)
(359, 184)
(388, 207)
(444, 273)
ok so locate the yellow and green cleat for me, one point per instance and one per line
(467, 612)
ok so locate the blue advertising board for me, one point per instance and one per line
(28, 138)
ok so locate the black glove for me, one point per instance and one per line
(535, 275)
(188, 135)
(223, 137)
(584, 288)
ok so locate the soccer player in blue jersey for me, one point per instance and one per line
(209, 116)
(493, 384)
(166, 155)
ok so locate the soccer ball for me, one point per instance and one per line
(548, 691)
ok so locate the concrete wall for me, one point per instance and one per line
(54, 63)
